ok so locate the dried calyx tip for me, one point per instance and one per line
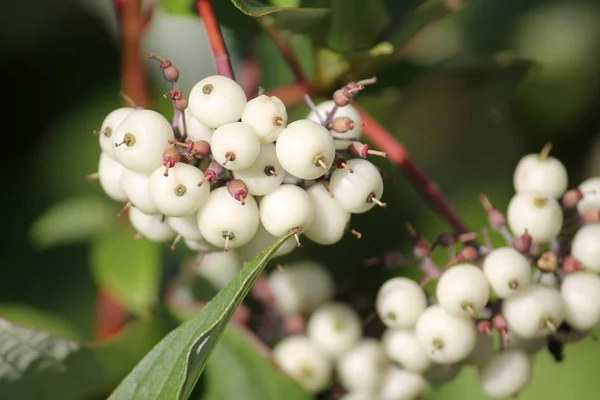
(545, 152)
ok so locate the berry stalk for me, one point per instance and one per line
(215, 37)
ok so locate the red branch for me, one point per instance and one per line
(110, 316)
(288, 54)
(133, 73)
(399, 156)
(215, 37)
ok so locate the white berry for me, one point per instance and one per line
(529, 346)
(400, 384)
(109, 125)
(267, 115)
(187, 227)
(506, 374)
(400, 302)
(358, 191)
(195, 130)
(591, 195)
(463, 290)
(225, 222)
(261, 240)
(305, 149)
(300, 359)
(154, 227)
(540, 174)
(335, 328)
(265, 174)
(402, 346)
(285, 208)
(541, 217)
(110, 173)
(507, 270)
(235, 145)
(178, 194)
(137, 188)
(581, 295)
(217, 100)
(141, 139)
(300, 287)
(585, 246)
(535, 311)
(445, 337)
(219, 267)
(330, 220)
(343, 140)
(363, 367)
(199, 245)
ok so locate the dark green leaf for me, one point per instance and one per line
(356, 24)
(38, 366)
(237, 359)
(30, 317)
(173, 367)
(129, 270)
(259, 8)
(74, 220)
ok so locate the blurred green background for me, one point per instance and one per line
(466, 123)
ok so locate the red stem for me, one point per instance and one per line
(215, 37)
(288, 54)
(110, 316)
(399, 156)
(133, 73)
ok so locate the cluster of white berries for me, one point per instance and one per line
(201, 177)
(492, 309)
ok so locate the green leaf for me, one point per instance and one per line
(237, 359)
(259, 8)
(37, 365)
(129, 270)
(73, 220)
(30, 317)
(172, 368)
(422, 17)
(356, 24)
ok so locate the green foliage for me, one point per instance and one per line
(38, 365)
(30, 317)
(73, 220)
(173, 367)
(253, 373)
(129, 270)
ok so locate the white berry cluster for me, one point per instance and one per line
(492, 308)
(201, 177)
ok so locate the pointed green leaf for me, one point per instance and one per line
(356, 24)
(237, 359)
(73, 220)
(129, 270)
(173, 367)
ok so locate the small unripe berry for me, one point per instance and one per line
(213, 172)
(170, 158)
(170, 72)
(238, 190)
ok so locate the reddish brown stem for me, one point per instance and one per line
(399, 156)
(215, 37)
(288, 54)
(110, 316)
(133, 72)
